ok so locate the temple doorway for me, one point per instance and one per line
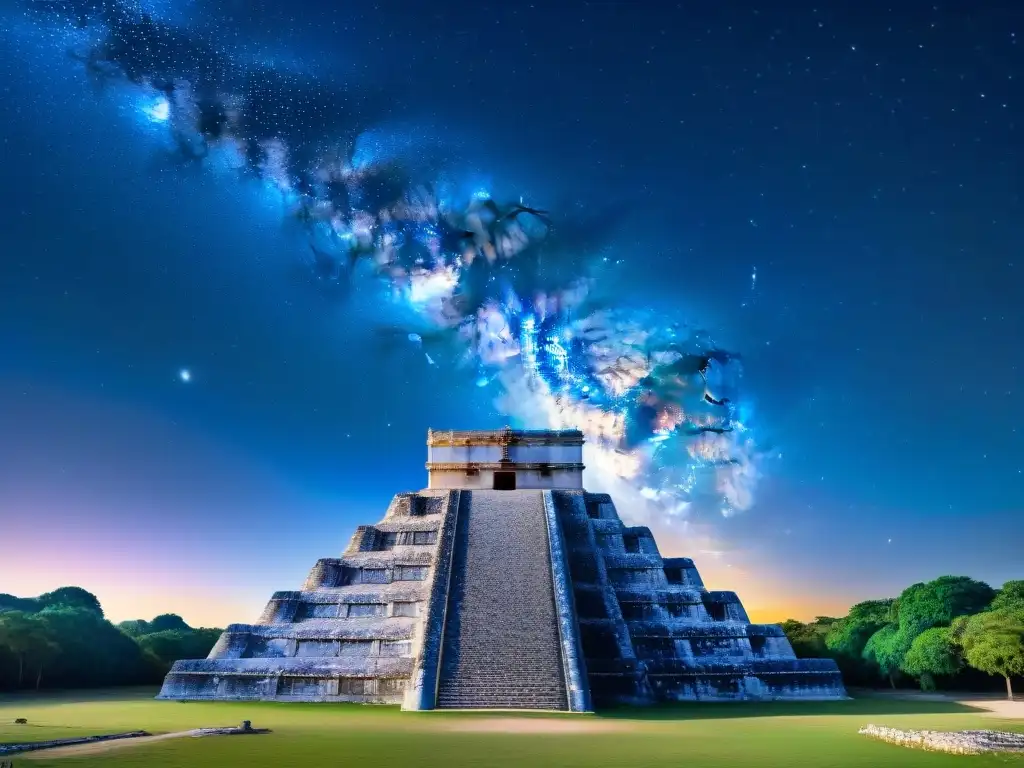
(504, 481)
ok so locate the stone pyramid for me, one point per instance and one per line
(504, 585)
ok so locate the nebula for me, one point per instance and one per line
(511, 291)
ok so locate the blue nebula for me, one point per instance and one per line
(509, 285)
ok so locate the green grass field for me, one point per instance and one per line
(799, 734)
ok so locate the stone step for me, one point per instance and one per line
(502, 647)
(508, 669)
(502, 705)
(486, 689)
(544, 683)
(509, 702)
(527, 676)
(510, 693)
(480, 678)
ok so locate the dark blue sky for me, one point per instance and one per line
(865, 160)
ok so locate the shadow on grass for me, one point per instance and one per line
(725, 710)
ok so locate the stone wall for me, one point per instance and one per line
(519, 454)
(540, 459)
(354, 632)
(650, 631)
(527, 478)
(606, 619)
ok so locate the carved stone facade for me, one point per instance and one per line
(505, 459)
(535, 598)
(650, 631)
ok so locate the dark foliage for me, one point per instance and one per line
(912, 639)
(808, 640)
(61, 640)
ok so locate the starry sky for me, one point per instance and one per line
(863, 160)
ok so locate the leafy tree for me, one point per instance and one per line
(168, 622)
(30, 639)
(64, 640)
(12, 603)
(93, 651)
(936, 603)
(45, 649)
(165, 622)
(920, 607)
(169, 646)
(808, 640)
(931, 653)
(1010, 597)
(851, 633)
(886, 649)
(71, 597)
(134, 627)
(993, 642)
(848, 636)
(22, 634)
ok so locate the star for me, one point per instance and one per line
(185, 375)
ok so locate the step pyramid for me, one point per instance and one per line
(536, 596)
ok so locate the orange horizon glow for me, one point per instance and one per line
(214, 602)
(208, 584)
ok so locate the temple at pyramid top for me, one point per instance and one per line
(503, 585)
(505, 459)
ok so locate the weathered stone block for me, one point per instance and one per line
(536, 598)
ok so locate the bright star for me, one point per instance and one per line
(158, 111)
(185, 375)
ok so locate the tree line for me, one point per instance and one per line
(952, 632)
(61, 639)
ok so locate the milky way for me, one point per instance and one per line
(506, 289)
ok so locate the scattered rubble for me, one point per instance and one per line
(956, 742)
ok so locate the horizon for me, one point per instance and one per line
(219, 607)
(246, 611)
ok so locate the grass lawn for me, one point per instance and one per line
(818, 734)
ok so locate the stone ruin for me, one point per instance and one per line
(503, 585)
(955, 742)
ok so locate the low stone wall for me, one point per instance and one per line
(956, 742)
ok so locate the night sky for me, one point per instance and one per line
(189, 418)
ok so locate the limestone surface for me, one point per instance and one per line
(957, 742)
(352, 632)
(650, 631)
(501, 650)
(535, 599)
